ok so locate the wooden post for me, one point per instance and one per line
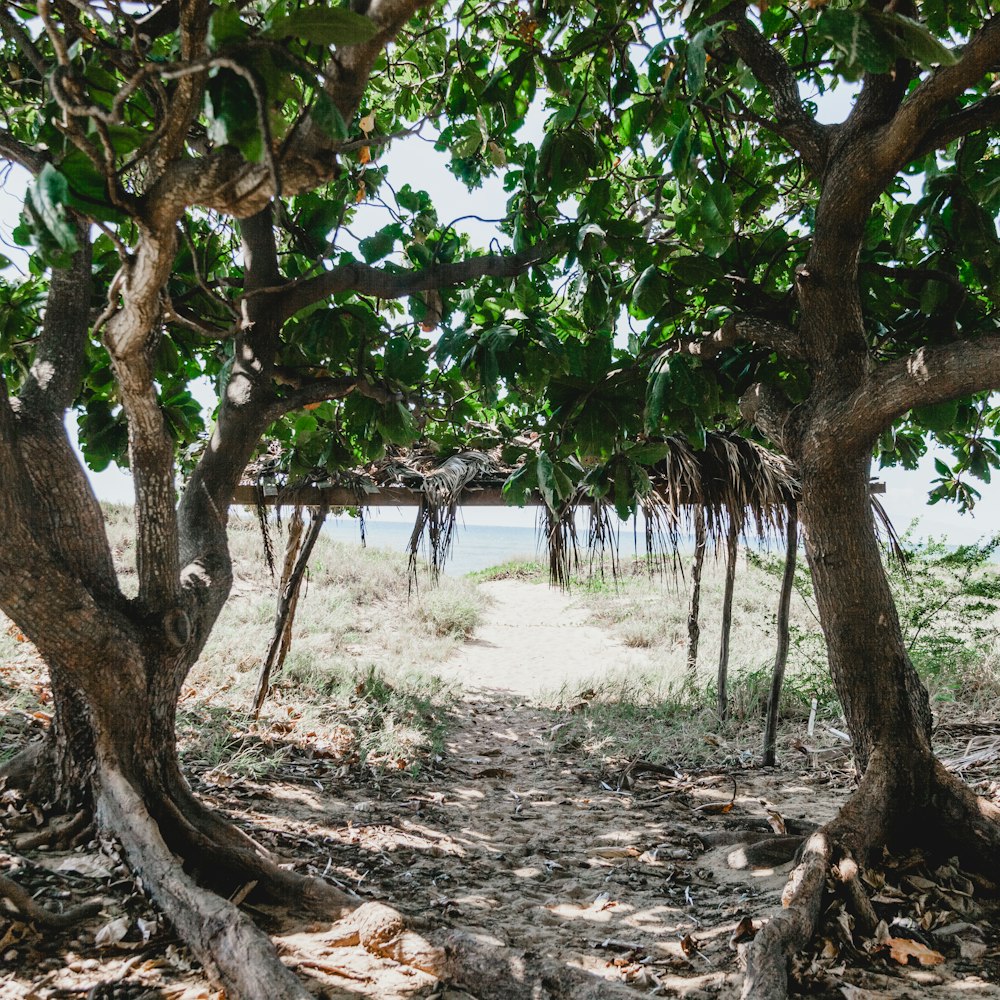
(781, 655)
(297, 553)
(694, 628)
(732, 551)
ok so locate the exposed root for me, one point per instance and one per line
(899, 801)
(476, 962)
(219, 846)
(858, 904)
(227, 943)
(790, 930)
(58, 832)
(20, 771)
(765, 853)
(33, 912)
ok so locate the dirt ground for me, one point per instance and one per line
(512, 833)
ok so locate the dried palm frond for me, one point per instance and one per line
(437, 515)
(561, 542)
(886, 530)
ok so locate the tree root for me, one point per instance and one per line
(195, 831)
(58, 832)
(790, 930)
(232, 949)
(476, 962)
(899, 803)
(33, 912)
(20, 771)
(243, 960)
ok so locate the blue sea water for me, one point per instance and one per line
(476, 546)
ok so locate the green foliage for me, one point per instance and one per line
(633, 141)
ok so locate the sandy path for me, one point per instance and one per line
(533, 639)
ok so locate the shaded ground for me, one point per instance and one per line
(511, 830)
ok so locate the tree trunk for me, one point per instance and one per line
(781, 653)
(884, 701)
(694, 626)
(732, 550)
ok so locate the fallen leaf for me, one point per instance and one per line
(690, 946)
(745, 931)
(84, 864)
(111, 933)
(714, 808)
(903, 949)
(613, 852)
(776, 822)
(972, 950)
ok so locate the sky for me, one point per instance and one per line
(415, 158)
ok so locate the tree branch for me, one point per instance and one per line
(130, 337)
(57, 368)
(773, 72)
(749, 329)
(383, 283)
(911, 125)
(975, 117)
(65, 498)
(767, 410)
(15, 151)
(927, 376)
(319, 390)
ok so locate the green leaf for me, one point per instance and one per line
(650, 292)
(939, 417)
(46, 201)
(913, 40)
(522, 482)
(328, 118)
(380, 244)
(862, 46)
(233, 114)
(325, 26)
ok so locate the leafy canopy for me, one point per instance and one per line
(634, 146)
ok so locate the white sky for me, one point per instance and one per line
(416, 160)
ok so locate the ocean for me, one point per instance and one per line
(475, 547)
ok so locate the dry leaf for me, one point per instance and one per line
(360, 195)
(85, 864)
(745, 931)
(364, 155)
(972, 950)
(367, 123)
(494, 772)
(613, 852)
(690, 946)
(903, 949)
(776, 822)
(111, 933)
(714, 808)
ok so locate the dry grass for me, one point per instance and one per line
(354, 675)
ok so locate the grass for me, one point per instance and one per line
(356, 678)
(948, 605)
(359, 679)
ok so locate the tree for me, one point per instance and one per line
(196, 174)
